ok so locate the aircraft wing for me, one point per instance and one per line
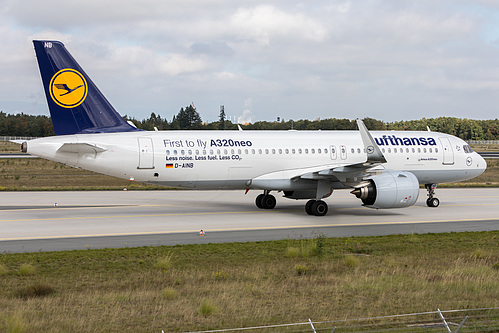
(351, 175)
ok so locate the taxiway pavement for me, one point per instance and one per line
(52, 221)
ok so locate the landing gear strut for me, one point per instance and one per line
(265, 200)
(431, 201)
(316, 207)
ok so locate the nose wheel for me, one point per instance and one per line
(431, 201)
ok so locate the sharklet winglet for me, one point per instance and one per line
(374, 154)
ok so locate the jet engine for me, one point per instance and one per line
(390, 189)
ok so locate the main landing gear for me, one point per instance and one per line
(431, 201)
(316, 207)
(265, 200)
(313, 207)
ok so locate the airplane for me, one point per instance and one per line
(384, 169)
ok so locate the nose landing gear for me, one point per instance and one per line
(431, 201)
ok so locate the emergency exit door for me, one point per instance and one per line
(146, 153)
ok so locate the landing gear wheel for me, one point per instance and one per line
(319, 208)
(258, 201)
(432, 202)
(308, 207)
(268, 201)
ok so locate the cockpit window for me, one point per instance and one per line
(467, 149)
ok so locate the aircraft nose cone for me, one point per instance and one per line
(481, 164)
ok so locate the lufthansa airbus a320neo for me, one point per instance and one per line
(382, 169)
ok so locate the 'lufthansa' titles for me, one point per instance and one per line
(393, 140)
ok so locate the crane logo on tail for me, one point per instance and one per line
(68, 88)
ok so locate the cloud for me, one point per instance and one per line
(265, 23)
(296, 59)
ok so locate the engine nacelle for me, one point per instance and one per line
(390, 189)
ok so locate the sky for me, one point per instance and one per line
(389, 60)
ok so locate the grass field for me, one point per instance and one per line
(194, 287)
(39, 174)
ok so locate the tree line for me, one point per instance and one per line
(189, 119)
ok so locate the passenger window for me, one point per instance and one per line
(280, 151)
(287, 151)
(325, 151)
(182, 152)
(197, 152)
(167, 152)
(266, 151)
(312, 151)
(383, 150)
(431, 150)
(299, 151)
(413, 150)
(211, 151)
(318, 151)
(394, 150)
(389, 150)
(419, 150)
(246, 151)
(253, 151)
(358, 150)
(352, 150)
(293, 151)
(259, 151)
(273, 151)
(306, 150)
(436, 150)
(424, 150)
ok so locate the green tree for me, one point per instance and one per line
(221, 126)
(189, 118)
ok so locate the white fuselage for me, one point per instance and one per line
(232, 159)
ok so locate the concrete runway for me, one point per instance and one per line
(30, 222)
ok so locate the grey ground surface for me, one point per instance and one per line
(30, 221)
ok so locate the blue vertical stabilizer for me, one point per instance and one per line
(76, 104)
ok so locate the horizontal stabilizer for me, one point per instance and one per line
(81, 148)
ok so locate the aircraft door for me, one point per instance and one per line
(333, 152)
(447, 151)
(146, 153)
(343, 152)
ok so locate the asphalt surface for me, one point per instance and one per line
(53, 221)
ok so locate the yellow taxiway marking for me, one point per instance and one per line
(245, 229)
(134, 216)
(80, 207)
(190, 214)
